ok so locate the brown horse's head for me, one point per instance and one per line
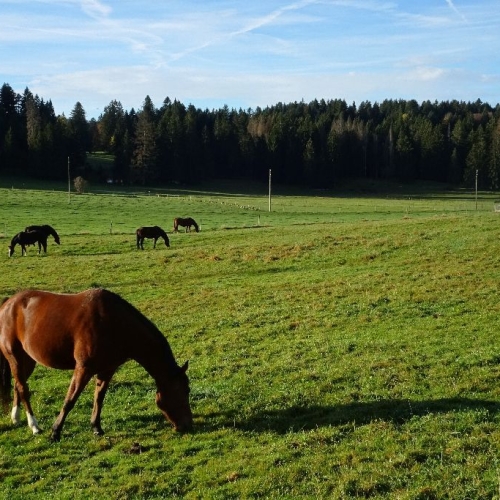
(173, 400)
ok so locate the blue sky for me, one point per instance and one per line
(249, 54)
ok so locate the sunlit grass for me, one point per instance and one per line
(335, 351)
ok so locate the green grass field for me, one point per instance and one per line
(343, 345)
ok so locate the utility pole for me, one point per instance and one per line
(69, 184)
(269, 189)
(477, 171)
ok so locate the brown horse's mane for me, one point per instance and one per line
(148, 324)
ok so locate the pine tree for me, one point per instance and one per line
(34, 133)
(494, 167)
(144, 161)
(11, 130)
(477, 158)
(79, 137)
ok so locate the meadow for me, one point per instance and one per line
(342, 345)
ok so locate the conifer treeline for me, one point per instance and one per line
(315, 144)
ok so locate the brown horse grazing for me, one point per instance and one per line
(187, 223)
(28, 238)
(153, 232)
(91, 333)
(48, 230)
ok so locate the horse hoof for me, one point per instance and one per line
(55, 437)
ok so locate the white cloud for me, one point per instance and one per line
(426, 73)
(95, 8)
(255, 53)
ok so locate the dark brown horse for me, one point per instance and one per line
(91, 333)
(48, 230)
(188, 222)
(153, 232)
(25, 238)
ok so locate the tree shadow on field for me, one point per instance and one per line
(311, 417)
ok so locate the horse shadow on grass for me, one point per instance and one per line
(298, 418)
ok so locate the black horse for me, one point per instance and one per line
(187, 223)
(153, 232)
(48, 230)
(25, 238)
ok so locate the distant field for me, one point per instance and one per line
(343, 345)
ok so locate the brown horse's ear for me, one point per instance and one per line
(184, 367)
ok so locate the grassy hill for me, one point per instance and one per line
(343, 345)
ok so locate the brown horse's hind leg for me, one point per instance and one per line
(101, 386)
(22, 368)
(80, 379)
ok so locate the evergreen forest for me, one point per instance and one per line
(316, 144)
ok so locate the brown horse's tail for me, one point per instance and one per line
(5, 382)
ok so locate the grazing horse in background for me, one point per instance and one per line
(153, 232)
(48, 230)
(92, 333)
(187, 223)
(28, 238)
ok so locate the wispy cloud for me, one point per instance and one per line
(94, 8)
(252, 53)
(272, 17)
(455, 10)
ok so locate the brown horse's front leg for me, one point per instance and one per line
(101, 386)
(80, 379)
